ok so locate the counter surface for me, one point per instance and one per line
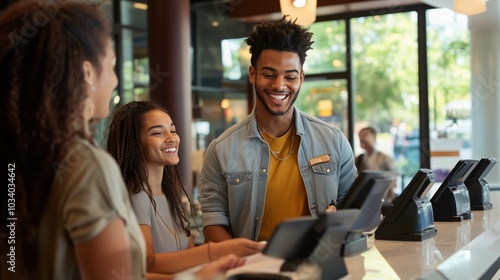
(460, 250)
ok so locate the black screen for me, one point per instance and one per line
(479, 190)
(362, 186)
(411, 218)
(417, 189)
(481, 170)
(295, 239)
(367, 194)
(456, 177)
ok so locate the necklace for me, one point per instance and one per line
(174, 232)
(275, 153)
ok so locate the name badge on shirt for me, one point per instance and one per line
(320, 159)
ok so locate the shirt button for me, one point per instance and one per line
(264, 170)
(257, 218)
(238, 180)
(328, 170)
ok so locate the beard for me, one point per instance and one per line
(274, 113)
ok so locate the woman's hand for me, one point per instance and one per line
(217, 269)
(237, 246)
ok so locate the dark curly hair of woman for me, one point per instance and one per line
(124, 144)
(284, 35)
(42, 48)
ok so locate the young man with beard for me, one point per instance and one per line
(278, 162)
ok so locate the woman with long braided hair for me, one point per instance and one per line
(144, 142)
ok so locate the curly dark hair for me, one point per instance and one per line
(124, 144)
(42, 49)
(284, 35)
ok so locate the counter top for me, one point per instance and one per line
(460, 250)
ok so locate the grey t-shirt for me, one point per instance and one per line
(167, 236)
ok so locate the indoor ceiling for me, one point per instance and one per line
(259, 10)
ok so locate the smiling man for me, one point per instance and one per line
(278, 162)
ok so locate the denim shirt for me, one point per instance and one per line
(235, 171)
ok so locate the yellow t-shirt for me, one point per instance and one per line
(286, 195)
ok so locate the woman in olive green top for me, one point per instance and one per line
(73, 218)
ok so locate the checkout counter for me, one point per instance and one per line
(461, 250)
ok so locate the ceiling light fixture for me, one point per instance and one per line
(469, 7)
(140, 6)
(299, 3)
(302, 10)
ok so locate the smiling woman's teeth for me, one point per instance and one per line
(279, 97)
(170, 150)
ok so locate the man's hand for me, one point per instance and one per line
(332, 207)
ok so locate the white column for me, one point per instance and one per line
(485, 86)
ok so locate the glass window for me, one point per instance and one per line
(220, 75)
(449, 89)
(385, 67)
(132, 69)
(214, 113)
(218, 46)
(384, 71)
(134, 61)
(134, 13)
(235, 58)
(329, 48)
(325, 99)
